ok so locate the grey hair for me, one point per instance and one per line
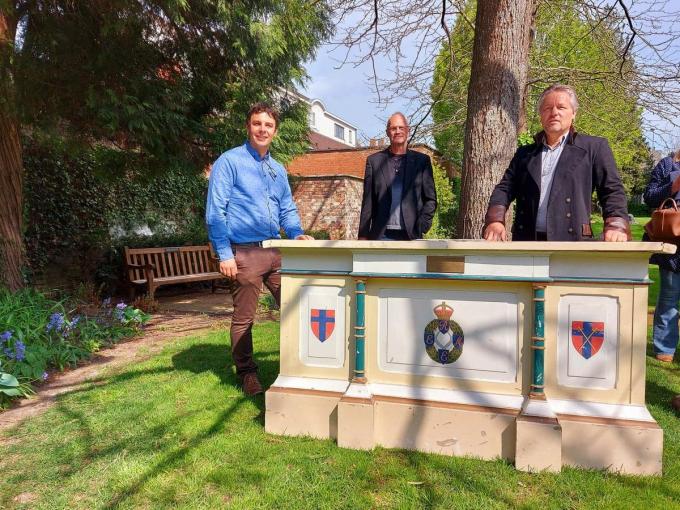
(394, 115)
(558, 87)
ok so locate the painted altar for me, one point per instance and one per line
(533, 352)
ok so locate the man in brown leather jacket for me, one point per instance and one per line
(552, 181)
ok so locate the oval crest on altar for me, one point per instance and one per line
(443, 336)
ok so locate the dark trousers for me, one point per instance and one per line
(255, 266)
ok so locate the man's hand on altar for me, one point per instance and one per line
(304, 237)
(495, 232)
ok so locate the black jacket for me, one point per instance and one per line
(418, 201)
(585, 165)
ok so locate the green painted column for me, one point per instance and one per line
(538, 343)
(360, 332)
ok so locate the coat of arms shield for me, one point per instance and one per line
(322, 322)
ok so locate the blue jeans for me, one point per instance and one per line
(665, 331)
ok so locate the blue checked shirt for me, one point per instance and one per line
(249, 200)
(658, 190)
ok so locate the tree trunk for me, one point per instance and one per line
(500, 60)
(11, 166)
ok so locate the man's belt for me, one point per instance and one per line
(247, 245)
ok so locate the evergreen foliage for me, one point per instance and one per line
(169, 82)
(448, 191)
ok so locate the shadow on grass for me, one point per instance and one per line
(661, 396)
(172, 458)
(217, 359)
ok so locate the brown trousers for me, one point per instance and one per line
(255, 266)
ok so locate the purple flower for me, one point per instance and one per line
(45, 375)
(8, 352)
(56, 322)
(5, 336)
(71, 326)
(19, 350)
(119, 312)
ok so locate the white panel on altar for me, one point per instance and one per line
(322, 326)
(460, 334)
(496, 265)
(588, 341)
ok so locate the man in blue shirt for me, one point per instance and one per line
(249, 201)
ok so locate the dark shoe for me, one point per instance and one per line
(251, 384)
(675, 403)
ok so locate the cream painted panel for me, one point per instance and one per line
(387, 262)
(599, 370)
(489, 321)
(311, 261)
(499, 265)
(331, 351)
(591, 265)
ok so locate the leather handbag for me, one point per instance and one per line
(665, 223)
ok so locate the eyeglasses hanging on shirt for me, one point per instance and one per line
(269, 168)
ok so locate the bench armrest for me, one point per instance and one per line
(215, 261)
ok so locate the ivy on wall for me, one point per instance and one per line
(81, 208)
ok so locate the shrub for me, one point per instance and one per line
(38, 334)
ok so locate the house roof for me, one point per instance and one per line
(350, 161)
(323, 142)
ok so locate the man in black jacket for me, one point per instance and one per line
(552, 181)
(399, 198)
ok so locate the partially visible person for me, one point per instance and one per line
(664, 183)
(249, 201)
(553, 179)
(399, 198)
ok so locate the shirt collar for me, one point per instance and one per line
(561, 144)
(254, 153)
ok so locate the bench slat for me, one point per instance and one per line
(163, 266)
(195, 264)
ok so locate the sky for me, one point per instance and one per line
(347, 92)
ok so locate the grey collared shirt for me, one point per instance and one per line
(396, 164)
(549, 158)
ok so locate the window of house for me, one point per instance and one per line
(351, 136)
(339, 132)
(312, 119)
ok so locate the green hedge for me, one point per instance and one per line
(74, 201)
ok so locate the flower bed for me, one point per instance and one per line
(38, 334)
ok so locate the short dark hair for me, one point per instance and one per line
(263, 108)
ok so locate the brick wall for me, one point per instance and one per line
(330, 203)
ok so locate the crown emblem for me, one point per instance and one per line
(443, 311)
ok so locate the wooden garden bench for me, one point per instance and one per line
(155, 267)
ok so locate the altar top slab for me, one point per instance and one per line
(478, 246)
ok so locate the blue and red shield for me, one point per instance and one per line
(323, 323)
(587, 337)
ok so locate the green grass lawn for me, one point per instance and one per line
(174, 431)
